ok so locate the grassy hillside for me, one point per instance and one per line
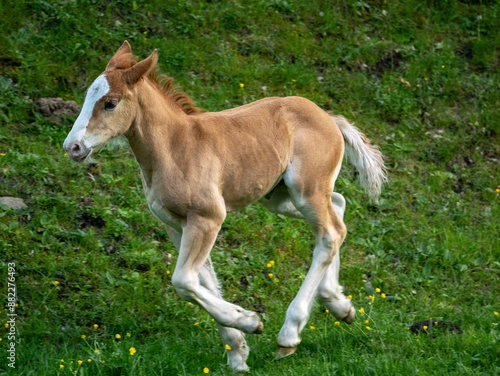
(420, 78)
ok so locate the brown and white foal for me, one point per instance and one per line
(285, 153)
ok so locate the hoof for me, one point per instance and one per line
(242, 371)
(349, 318)
(283, 352)
(259, 329)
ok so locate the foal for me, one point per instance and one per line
(285, 153)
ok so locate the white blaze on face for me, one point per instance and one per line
(98, 89)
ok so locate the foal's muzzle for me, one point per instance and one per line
(77, 151)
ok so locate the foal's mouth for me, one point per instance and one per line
(83, 157)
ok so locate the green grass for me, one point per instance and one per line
(419, 78)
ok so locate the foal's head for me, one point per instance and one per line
(109, 106)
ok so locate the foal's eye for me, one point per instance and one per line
(110, 105)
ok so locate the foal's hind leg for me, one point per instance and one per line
(330, 231)
(237, 356)
(329, 290)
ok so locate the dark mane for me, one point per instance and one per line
(172, 92)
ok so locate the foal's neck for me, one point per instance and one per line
(157, 121)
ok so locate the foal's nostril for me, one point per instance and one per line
(76, 150)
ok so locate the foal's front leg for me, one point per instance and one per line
(198, 237)
(237, 356)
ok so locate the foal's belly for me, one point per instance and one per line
(243, 192)
(252, 177)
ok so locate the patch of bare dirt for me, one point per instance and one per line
(56, 109)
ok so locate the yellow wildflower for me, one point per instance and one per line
(6, 325)
(80, 362)
(337, 323)
(425, 327)
(196, 323)
(497, 190)
(312, 327)
(442, 66)
(61, 366)
(300, 276)
(132, 350)
(96, 351)
(62, 360)
(349, 296)
(327, 311)
(228, 347)
(496, 313)
(270, 275)
(128, 334)
(371, 297)
(367, 321)
(89, 360)
(206, 370)
(241, 85)
(383, 296)
(96, 326)
(361, 310)
(2, 154)
(269, 264)
(377, 290)
(56, 283)
(168, 271)
(84, 336)
(368, 328)
(118, 336)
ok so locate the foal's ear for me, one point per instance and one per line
(133, 74)
(124, 49)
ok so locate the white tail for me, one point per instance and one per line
(364, 156)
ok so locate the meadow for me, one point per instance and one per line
(93, 267)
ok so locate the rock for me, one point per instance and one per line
(13, 203)
(56, 109)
